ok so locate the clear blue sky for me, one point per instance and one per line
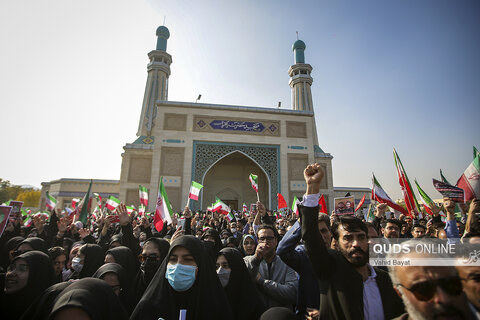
(402, 74)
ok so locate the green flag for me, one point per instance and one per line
(475, 152)
(86, 205)
(443, 177)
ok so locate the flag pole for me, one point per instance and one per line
(188, 202)
(258, 198)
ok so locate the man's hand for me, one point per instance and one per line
(474, 207)
(177, 234)
(259, 251)
(313, 175)
(62, 225)
(261, 209)
(83, 233)
(449, 205)
(187, 213)
(380, 210)
(123, 217)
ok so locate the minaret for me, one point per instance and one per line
(157, 82)
(300, 79)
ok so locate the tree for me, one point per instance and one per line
(9, 191)
(29, 198)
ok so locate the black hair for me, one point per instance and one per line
(322, 217)
(419, 226)
(350, 224)
(55, 252)
(269, 226)
(394, 221)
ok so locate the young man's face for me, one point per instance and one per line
(325, 232)
(391, 230)
(418, 232)
(353, 245)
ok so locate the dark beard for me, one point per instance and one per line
(355, 261)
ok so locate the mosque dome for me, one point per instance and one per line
(163, 32)
(299, 44)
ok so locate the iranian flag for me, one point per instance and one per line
(426, 200)
(50, 202)
(98, 198)
(143, 194)
(475, 152)
(75, 202)
(221, 207)
(295, 204)
(230, 216)
(112, 203)
(470, 180)
(130, 210)
(378, 194)
(210, 208)
(254, 180)
(408, 195)
(163, 209)
(194, 190)
(244, 208)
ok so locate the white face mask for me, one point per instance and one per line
(233, 230)
(223, 276)
(76, 265)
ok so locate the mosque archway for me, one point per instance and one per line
(228, 179)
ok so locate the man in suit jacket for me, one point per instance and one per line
(349, 287)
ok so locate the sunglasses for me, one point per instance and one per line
(426, 290)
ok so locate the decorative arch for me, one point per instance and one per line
(267, 157)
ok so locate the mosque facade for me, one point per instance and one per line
(218, 146)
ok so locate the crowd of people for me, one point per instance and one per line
(257, 266)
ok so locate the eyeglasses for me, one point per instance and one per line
(265, 239)
(144, 257)
(426, 290)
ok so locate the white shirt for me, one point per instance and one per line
(372, 301)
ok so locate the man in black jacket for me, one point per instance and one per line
(349, 287)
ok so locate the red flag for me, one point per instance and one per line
(322, 204)
(281, 201)
(408, 195)
(360, 204)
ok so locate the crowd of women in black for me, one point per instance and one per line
(57, 269)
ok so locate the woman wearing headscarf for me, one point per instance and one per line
(154, 252)
(7, 252)
(27, 276)
(116, 277)
(124, 257)
(88, 259)
(212, 242)
(248, 245)
(67, 273)
(87, 298)
(187, 281)
(238, 285)
(30, 244)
